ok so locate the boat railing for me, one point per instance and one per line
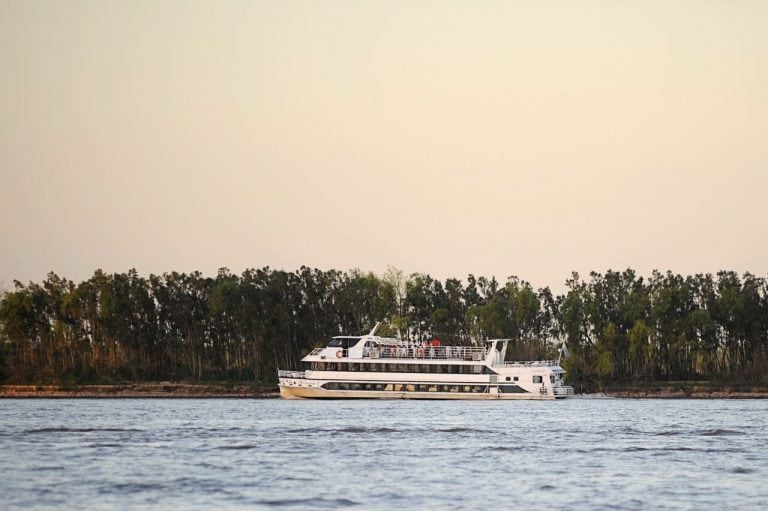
(316, 351)
(531, 363)
(563, 390)
(427, 352)
(291, 374)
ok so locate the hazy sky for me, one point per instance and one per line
(487, 137)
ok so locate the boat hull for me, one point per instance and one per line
(311, 392)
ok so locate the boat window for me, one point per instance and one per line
(515, 378)
(339, 342)
(537, 379)
(511, 389)
(508, 378)
(551, 378)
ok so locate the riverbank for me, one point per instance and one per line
(148, 390)
(220, 390)
(687, 391)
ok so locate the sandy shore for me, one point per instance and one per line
(162, 389)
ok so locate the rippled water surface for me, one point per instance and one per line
(263, 454)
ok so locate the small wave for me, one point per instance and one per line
(460, 430)
(547, 487)
(721, 432)
(51, 468)
(357, 429)
(310, 503)
(207, 466)
(349, 429)
(95, 446)
(304, 430)
(76, 430)
(238, 447)
(658, 451)
(664, 451)
(670, 450)
(508, 448)
(742, 470)
(694, 449)
(668, 433)
(131, 487)
(300, 479)
(632, 448)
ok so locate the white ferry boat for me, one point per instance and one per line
(373, 367)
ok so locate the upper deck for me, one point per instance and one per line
(372, 348)
(409, 351)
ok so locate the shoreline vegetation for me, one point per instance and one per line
(140, 390)
(661, 390)
(623, 331)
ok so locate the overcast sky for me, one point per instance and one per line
(486, 137)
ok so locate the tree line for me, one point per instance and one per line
(617, 326)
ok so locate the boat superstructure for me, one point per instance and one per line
(371, 367)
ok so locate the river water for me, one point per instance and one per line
(274, 454)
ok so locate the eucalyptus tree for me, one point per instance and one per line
(360, 300)
(188, 326)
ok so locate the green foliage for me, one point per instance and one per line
(176, 326)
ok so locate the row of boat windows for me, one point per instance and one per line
(400, 368)
(420, 387)
(405, 387)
